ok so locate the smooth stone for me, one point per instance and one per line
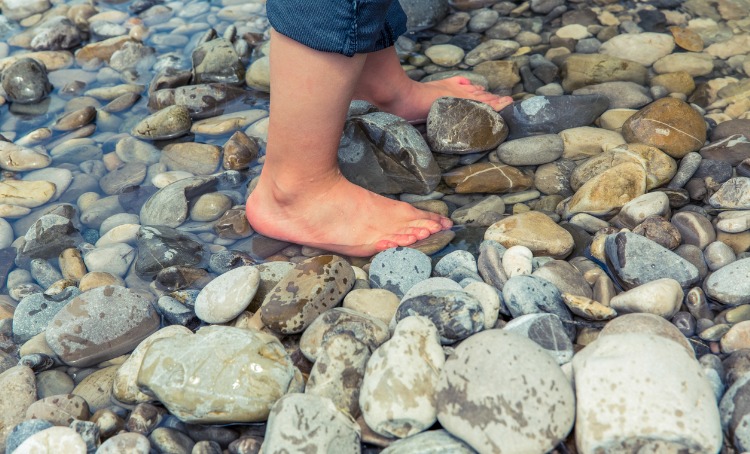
(580, 70)
(124, 233)
(607, 192)
(386, 154)
(125, 442)
(60, 410)
(552, 114)
(29, 194)
(644, 48)
(660, 167)
(696, 64)
(191, 157)
(53, 382)
(25, 81)
(18, 10)
(455, 259)
(635, 260)
(533, 295)
(341, 355)
(308, 422)
(661, 297)
(398, 269)
(20, 386)
(17, 158)
(369, 331)
(130, 149)
(660, 231)
(730, 128)
(482, 213)
(737, 338)
(461, 126)
(217, 61)
(231, 223)
(113, 258)
(534, 230)
(61, 178)
(489, 298)
(434, 243)
(124, 386)
(554, 178)
(491, 49)
(313, 286)
(676, 82)
(243, 373)
(240, 151)
(34, 312)
(54, 439)
(487, 177)
(645, 323)
(469, 389)
(228, 123)
(168, 123)
(398, 395)
(378, 303)
(432, 283)
(534, 150)
(91, 329)
(175, 196)
(429, 442)
(456, 314)
(166, 439)
(446, 55)
(733, 194)
(258, 75)
(547, 331)
(718, 255)
(160, 247)
(499, 74)
(621, 95)
(588, 308)
(517, 261)
(686, 38)
(24, 430)
(730, 285)
(668, 124)
(565, 277)
(587, 141)
(96, 389)
(653, 368)
(694, 228)
(733, 149)
(225, 297)
(642, 207)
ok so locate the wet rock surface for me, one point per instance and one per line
(602, 229)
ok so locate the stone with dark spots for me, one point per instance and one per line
(60, 410)
(48, 237)
(552, 114)
(456, 314)
(398, 269)
(308, 423)
(371, 331)
(424, 14)
(26, 82)
(160, 247)
(500, 389)
(714, 171)
(338, 372)
(462, 126)
(309, 289)
(217, 61)
(35, 311)
(101, 324)
(633, 260)
(56, 33)
(386, 154)
(533, 295)
(547, 331)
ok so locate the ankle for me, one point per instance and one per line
(286, 190)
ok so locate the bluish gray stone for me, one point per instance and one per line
(398, 269)
(532, 295)
(430, 442)
(456, 314)
(730, 284)
(552, 114)
(735, 413)
(455, 260)
(35, 311)
(634, 260)
(546, 330)
(24, 430)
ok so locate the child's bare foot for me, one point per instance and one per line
(412, 100)
(338, 216)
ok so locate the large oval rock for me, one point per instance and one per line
(730, 284)
(488, 177)
(225, 297)
(580, 70)
(643, 48)
(635, 260)
(500, 392)
(675, 405)
(462, 126)
(552, 114)
(309, 289)
(25, 81)
(20, 387)
(241, 374)
(608, 191)
(385, 154)
(668, 124)
(397, 397)
(534, 230)
(101, 324)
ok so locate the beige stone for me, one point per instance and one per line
(534, 230)
(586, 141)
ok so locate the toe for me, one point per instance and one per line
(419, 232)
(395, 240)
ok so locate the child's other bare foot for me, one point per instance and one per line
(338, 216)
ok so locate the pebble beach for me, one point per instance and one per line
(593, 295)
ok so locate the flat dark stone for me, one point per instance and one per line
(552, 114)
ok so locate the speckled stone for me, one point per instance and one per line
(398, 269)
(397, 397)
(456, 314)
(462, 126)
(545, 330)
(733, 194)
(24, 430)
(366, 329)
(312, 287)
(730, 285)
(91, 328)
(126, 442)
(60, 410)
(309, 423)
(676, 402)
(533, 295)
(485, 391)
(18, 382)
(35, 311)
(242, 374)
(168, 123)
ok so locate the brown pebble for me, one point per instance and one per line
(686, 39)
(240, 151)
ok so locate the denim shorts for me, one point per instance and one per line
(344, 27)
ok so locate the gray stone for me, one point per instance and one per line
(24, 430)
(170, 205)
(547, 331)
(385, 154)
(399, 269)
(532, 295)
(217, 61)
(456, 314)
(424, 14)
(552, 114)
(168, 123)
(337, 321)
(534, 150)
(430, 442)
(34, 312)
(621, 95)
(48, 237)
(160, 247)
(56, 33)
(730, 285)
(25, 81)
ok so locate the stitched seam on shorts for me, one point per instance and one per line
(352, 42)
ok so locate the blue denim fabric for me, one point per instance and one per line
(344, 27)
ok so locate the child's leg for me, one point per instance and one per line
(301, 196)
(385, 84)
